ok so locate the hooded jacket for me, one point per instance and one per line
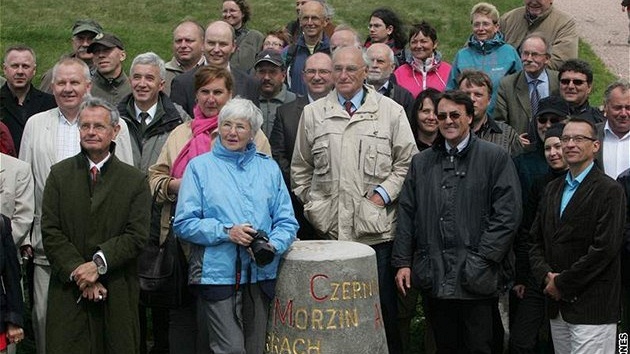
(416, 81)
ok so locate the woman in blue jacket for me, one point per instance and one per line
(486, 50)
(235, 209)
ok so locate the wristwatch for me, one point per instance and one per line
(227, 227)
(101, 268)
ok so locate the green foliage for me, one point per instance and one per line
(146, 25)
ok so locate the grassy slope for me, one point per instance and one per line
(146, 25)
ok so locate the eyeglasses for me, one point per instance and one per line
(526, 54)
(321, 72)
(552, 120)
(99, 128)
(482, 24)
(576, 82)
(350, 69)
(452, 115)
(578, 139)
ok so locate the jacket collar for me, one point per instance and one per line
(238, 158)
(488, 46)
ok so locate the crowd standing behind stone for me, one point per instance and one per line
(345, 120)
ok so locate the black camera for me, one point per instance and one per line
(262, 250)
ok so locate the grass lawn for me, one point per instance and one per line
(145, 25)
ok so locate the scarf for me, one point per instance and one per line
(200, 143)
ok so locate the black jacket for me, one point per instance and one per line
(11, 305)
(582, 246)
(147, 147)
(15, 116)
(457, 218)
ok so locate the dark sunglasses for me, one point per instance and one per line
(552, 120)
(576, 82)
(452, 115)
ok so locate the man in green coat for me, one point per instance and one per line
(96, 212)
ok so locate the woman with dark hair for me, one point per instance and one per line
(386, 27)
(425, 68)
(424, 122)
(248, 41)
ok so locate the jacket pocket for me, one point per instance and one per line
(480, 276)
(320, 214)
(370, 219)
(422, 271)
(321, 161)
(378, 161)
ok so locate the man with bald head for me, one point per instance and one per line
(317, 75)
(313, 20)
(381, 63)
(188, 43)
(351, 156)
(219, 44)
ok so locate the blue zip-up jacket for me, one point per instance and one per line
(494, 57)
(224, 188)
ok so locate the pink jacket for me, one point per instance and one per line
(416, 81)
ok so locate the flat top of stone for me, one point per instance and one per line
(327, 250)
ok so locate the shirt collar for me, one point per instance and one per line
(543, 77)
(99, 165)
(356, 99)
(608, 132)
(577, 180)
(151, 111)
(460, 147)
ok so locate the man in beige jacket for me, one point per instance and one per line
(352, 153)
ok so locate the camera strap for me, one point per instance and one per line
(238, 268)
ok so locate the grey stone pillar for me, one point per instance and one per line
(326, 301)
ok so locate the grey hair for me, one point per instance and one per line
(240, 108)
(344, 27)
(149, 58)
(390, 54)
(621, 83)
(68, 60)
(90, 101)
(542, 38)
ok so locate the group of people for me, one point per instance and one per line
(485, 186)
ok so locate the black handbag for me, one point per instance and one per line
(163, 270)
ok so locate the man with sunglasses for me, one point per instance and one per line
(519, 94)
(577, 237)
(576, 83)
(459, 209)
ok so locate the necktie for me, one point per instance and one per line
(348, 105)
(143, 122)
(452, 151)
(534, 98)
(94, 175)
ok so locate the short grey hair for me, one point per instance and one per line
(541, 36)
(623, 84)
(390, 55)
(149, 58)
(68, 60)
(90, 101)
(240, 108)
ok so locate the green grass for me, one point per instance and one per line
(146, 25)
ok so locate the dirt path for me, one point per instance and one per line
(603, 25)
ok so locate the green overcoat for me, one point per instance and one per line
(77, 221)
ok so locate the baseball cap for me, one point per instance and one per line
(86, 25)
(271, 56)
(553, 104)
(106, 39)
